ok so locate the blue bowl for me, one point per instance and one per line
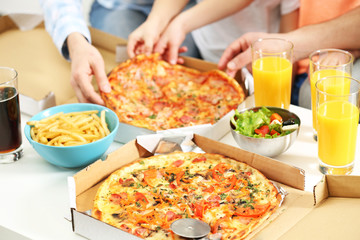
(75, 156)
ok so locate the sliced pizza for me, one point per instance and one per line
(150, 93)
(146, 196)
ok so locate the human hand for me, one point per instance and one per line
(170, 41)
(143, 39)
(146, 40)
(238, 53)
(86, 62)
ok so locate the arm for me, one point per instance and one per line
(143, 38)
(63, 17)
(341, 32)
(289, 22)
(86, 62)
(289, 15)
(68, 29)
(189, 20)
(210, 11)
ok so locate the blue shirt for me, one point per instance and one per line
(63, 17)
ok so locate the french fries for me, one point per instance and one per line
(69, 129)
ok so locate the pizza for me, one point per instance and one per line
(146, 196)
(150, 93)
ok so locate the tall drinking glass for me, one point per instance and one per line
(327, 62)
(272, 72)
(10, 121)
(337, 119)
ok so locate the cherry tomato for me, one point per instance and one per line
(262, 130)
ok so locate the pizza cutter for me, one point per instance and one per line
(190, 228)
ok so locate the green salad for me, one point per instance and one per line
(263, 123)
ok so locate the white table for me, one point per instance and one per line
(34, 200)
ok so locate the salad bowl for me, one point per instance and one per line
(267, 145)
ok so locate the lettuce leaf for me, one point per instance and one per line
(246, 122)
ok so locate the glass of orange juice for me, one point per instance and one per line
(327, 62)
(337, 119)
(272, 71)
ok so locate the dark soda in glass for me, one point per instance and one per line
(10, 123)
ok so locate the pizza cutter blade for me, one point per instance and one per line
(190, 228)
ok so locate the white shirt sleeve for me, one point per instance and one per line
(63, 17)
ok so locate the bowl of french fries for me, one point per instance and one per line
(72, 135)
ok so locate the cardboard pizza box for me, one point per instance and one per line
(83, 185)
(329, 212)
(335, 214)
